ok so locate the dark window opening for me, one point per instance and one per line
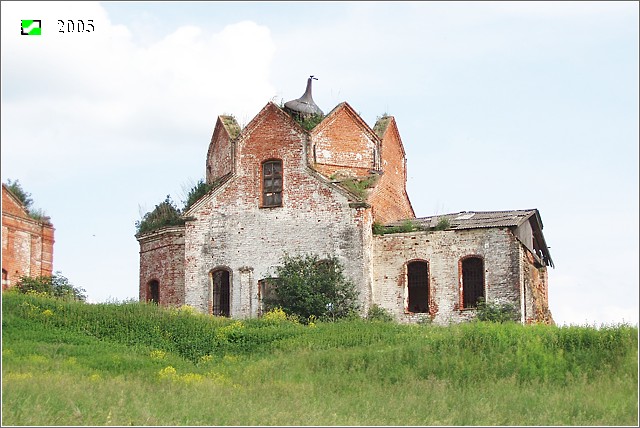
(153, 294)
(221, 293)
(272, 183)
(418, 284)
(472, 281)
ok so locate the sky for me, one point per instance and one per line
(500, 106)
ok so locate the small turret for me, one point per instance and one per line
(304, 106)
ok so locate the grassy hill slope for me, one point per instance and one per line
(67, 363)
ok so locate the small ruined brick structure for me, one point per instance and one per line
(280, 188)
(27, 244)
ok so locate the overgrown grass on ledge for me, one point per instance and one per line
(409, 226)
(67, 363)
(359, 186)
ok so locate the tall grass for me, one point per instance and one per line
(67, 363)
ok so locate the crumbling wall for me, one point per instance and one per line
(535, 284)
(27, 244)
(389, 198)
(162, 260)
(443, 250)
(220, 153)
(231, 228)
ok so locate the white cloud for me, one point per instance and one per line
(95, 124)
(72, 96)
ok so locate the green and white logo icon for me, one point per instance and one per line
(31, 27)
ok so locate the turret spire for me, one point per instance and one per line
(304, 106)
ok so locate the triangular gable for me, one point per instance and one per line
(344, 106)
(270, 107)
(11, 204)
(343, 145)
(220, 155)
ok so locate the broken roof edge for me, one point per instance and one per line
(517, 217)
(465, 220)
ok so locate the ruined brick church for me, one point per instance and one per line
(334, 189)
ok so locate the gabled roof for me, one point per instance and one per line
(354, 115)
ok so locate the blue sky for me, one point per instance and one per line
(500, 105)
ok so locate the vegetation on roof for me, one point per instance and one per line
(381, 124)
(25, 199)
(231, 125)
(409, 226)
(359, 186)
(199, 190)
(166, 213)
(308, 122)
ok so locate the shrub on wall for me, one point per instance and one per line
(25, 198)
(164, 214)
(308, 286)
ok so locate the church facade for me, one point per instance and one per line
(336, 188)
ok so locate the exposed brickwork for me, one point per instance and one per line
(220, 154)
(443, 251)
(231, 230)
(27, 244)
(389, 198)
(343, 142)
(162, 260)
(535, 284)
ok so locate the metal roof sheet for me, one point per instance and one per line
(475, 219)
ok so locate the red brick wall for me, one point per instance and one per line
(27, 244)
(343, 141)
(220, 154)
(389, 198)
(162, 260)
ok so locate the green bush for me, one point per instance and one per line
(25, 198)
(376, 313)
(495, 312)
(308, 286)
(55, 286)
(199, 190)
(164, 214)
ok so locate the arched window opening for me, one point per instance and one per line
(418, 285)
(221, 292)
(272, 183)
(472, 281)
(153, 294)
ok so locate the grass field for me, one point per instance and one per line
(66, 363)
